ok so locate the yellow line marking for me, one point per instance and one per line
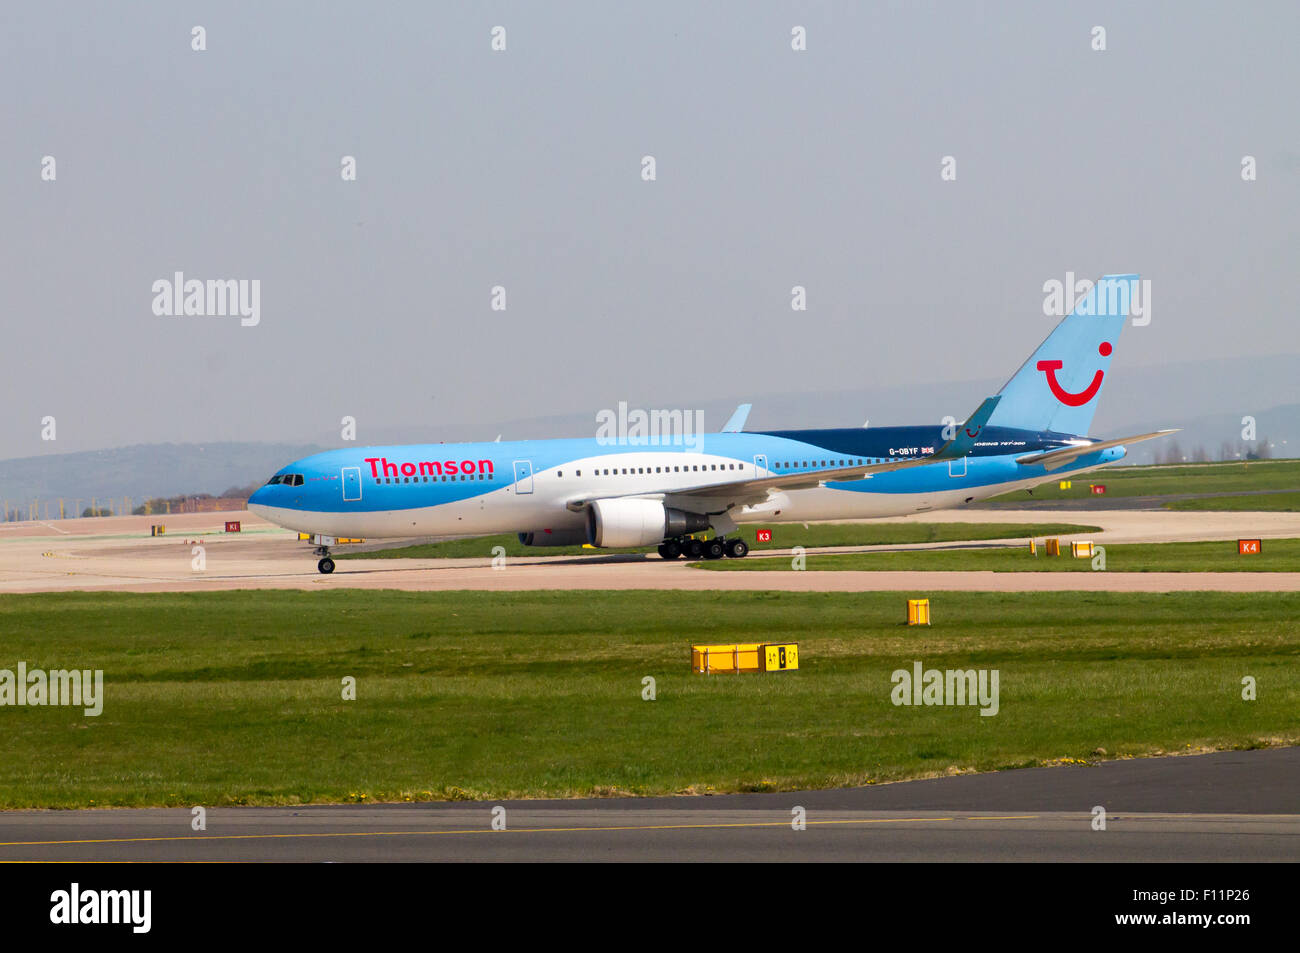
(515, 830)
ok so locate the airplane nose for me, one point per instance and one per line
(259, 499)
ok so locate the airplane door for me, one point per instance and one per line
(351, 483)
(523, 476)
(957, 468)
(760, 463)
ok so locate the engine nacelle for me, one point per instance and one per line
(616, 524)
(561, 537)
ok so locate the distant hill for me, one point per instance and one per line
(144, 470)
(1204, 437)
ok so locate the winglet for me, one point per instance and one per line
(964, 441)
(737, 422)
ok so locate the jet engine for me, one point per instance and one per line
(631, 522)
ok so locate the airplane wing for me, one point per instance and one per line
(720, 495)
(737, 421)
(1054, 459)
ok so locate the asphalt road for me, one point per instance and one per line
(1235, 806)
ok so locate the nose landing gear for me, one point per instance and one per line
(326, 565)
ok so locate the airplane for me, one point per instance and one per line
(625, 493)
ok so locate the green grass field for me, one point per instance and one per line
(1173, 479)
(1277, 555)
(784, 535)
(1259, 503)
(234, 697)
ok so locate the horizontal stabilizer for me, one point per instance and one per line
(1055, 459)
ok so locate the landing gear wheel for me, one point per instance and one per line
(671, 549)
(714, 549)
(694, 548)
(326, 565)
(737, 548)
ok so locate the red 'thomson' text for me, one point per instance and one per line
(380, 466)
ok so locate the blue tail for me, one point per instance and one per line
(1057, 388)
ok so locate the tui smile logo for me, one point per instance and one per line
(1049, 369)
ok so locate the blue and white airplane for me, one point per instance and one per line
(624, 493)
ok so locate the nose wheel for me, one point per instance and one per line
(326, 565)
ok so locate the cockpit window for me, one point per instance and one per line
(285, 479)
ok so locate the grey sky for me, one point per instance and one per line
(522, 169)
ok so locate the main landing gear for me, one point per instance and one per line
(734, 548)
(326, 565)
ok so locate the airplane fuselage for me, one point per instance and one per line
(528, 486)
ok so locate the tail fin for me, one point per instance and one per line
(1057, 388)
